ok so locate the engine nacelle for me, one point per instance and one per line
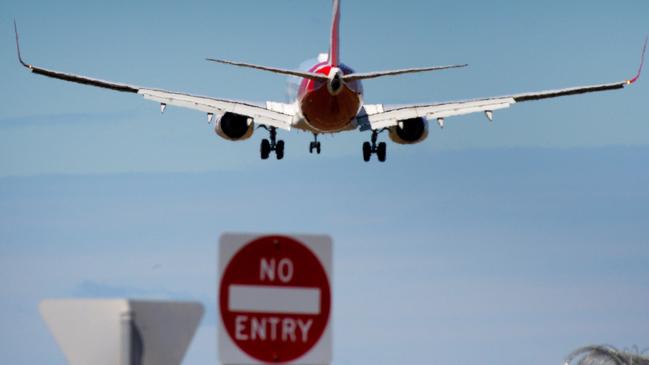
(234, 127)
(409, 131)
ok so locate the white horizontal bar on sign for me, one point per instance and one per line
(273, 299)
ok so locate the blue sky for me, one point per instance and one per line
(510, 242)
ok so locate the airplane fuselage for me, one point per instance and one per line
(327, 110)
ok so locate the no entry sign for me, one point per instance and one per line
(274, 299)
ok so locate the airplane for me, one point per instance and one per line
(329, 100)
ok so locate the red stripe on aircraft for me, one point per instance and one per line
(334, 41)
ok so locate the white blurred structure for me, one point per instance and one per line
(606, 355)
(122, 331)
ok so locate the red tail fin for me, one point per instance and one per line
(334, 52)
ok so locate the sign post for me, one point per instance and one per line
(274, 299)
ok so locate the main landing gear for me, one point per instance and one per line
(272, 145)
(370, 148)
(315, 145)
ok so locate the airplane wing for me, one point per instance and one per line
(379, 116)
(271, 114)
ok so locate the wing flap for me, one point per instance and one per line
(220, 106)
(392, 116)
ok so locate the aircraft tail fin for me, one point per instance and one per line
(334, 44)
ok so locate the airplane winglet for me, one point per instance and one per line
(644, 51)
(20, 58)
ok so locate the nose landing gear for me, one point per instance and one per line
(369, 148)
(315, 145)
(267, 146)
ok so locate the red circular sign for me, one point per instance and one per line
(275, 299)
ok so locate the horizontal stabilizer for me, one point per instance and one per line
(303, 74)
(347, 78)
(372, 75)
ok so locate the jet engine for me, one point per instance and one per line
(409, 131)
(234, 127)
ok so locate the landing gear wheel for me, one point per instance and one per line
(264, 149)
(279, 150)
(267, 146)
(381, 151)
(371, 147)
(367, 151)
(314, 145)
